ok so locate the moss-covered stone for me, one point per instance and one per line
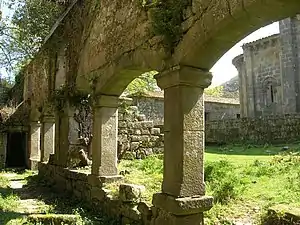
(55, 219)
(282, 215)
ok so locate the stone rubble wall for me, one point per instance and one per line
(271, 129)
(137, 136)
(126, 207)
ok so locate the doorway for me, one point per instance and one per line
(16, 150)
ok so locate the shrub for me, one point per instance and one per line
(223, 181)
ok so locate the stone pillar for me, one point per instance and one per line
(47, 137)
(3, 149)
(65, 135)
(34, 144)
(105, 133)
(183, 188)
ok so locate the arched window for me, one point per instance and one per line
(270, 91)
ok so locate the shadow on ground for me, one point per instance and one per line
(60, 203)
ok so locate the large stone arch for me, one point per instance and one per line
(223, 24)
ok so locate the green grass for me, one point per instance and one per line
(245, 180)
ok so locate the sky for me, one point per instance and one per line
(225, 63)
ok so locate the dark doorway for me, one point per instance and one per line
(16, 150)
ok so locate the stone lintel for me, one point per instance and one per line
(184, 76)
(182, 206)
(109, 101)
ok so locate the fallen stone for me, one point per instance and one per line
(283, 215)
(131, 192)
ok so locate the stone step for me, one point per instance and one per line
(54, 219)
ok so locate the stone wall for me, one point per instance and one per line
(151, 104)
(137, 136)
(271, 129)
(126, 207)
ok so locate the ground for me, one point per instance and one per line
(245, 181)
(23, 195)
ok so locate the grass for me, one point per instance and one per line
(52, 206)
(244, 180)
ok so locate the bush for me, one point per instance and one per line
(223, 181)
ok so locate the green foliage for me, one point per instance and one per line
(214, 91)
(73, 96)
(22, 35)
(167, 17)
(223, 181)
(145, 82)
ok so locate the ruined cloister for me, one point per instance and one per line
(98, 48)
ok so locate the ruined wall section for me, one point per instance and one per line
(137, 136)
(269, 129)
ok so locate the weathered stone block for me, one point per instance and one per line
(145, 132)
(141, 117)
(130, 192)
(130, 212)
(155, 131)
(137, 131)
(122, 124)
(134, 146)
(182, 206)
(158, 150)
(98, 193)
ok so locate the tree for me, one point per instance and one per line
(145, 82)
(214, 91)
(22, 35)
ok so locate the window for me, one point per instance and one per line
(206, 116)
(238, 116)
(270, 91)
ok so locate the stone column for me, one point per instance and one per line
(105, 133)
(47, 137)
(183, 188)
(64, 135)
(3, 149)
(34, 144)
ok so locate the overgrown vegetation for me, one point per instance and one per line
(244, 180)
(24, 26)
(167, 17)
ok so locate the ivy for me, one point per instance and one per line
(75, 98)
(167, 17)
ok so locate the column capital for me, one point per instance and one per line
(109, 101)
(48, 119)
(184, 76)
(35, 124)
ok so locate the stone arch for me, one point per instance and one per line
(224, 24)
(113, 78)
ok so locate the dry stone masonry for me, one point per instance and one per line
(137, 137)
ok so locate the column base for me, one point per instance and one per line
(180, 211)
(98, 181)
(33, 164)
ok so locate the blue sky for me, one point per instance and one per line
(225, 63)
